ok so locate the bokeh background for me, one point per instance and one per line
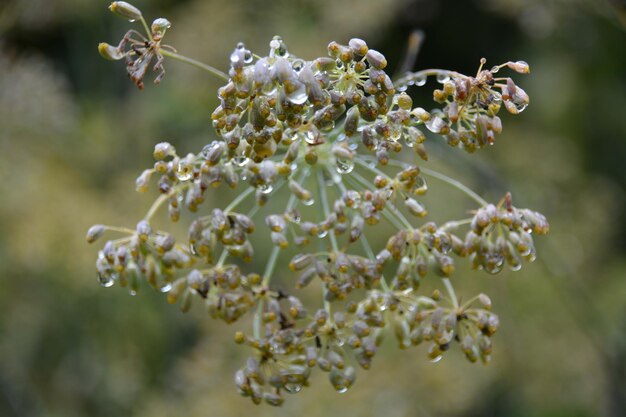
(74, 134)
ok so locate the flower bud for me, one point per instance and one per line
(158, 28)
(141, 183)
(125, 10)
(279, 240)
(521, 67)
(300, 261)
(110, 52)
(376, 59)
(95, 232)
(163, 150)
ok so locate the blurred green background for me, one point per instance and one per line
(74, 134)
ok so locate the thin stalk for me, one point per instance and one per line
(163, 198)
(331, 233)
(325, 208)
(271, 263)
(453, 224)
(456, 184)
(195, 63)
(119, 229)
(432, 173)
(451, 293)
(239, 199)
(365, 243)
(389, 206)
(146, 27)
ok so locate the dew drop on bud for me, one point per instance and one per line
(419, 80)
(292, 388)
(266, 188)
(436, 359)
(344, 166)
(443, 77)
(299, 95)
(106, 280)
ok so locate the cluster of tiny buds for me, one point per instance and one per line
(324, 142)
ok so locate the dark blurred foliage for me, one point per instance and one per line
(74, 133)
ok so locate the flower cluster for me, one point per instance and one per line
(326, 141)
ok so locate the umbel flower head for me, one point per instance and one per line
(340, 148)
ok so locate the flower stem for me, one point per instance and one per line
(365, 243)
(456, 184)
(451, 293)
(195, 63)
(146, 27)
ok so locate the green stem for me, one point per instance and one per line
(119, 229)
(163, 198)
(146, 27)
(453, 224)
(432, 173)
(271, 263)
(331, 233)
(239, 199)
(389, 206)
(451, 293)
(456, 184)
(325, 207)
(195, 63)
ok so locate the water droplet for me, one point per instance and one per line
(344, 166)
(395, 131)
(132, 20)
(436, 359)
(402, 88)
(494, 69)
(292, 388)
(515, 267)
(240, 160)
(193, 250)
(322, 233)
(408, 141)
(520, 107)
(299, 95)
(308, 202)
(443, 77)
(132, 292)
(106, 279)
(311, 136)
(436, 124)
(341, 389)
(297, 65)
(492, 268)
(265, 188)
(294, 216)
(419, 80)
(247, 57)
(167, 287)
(235, 57)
